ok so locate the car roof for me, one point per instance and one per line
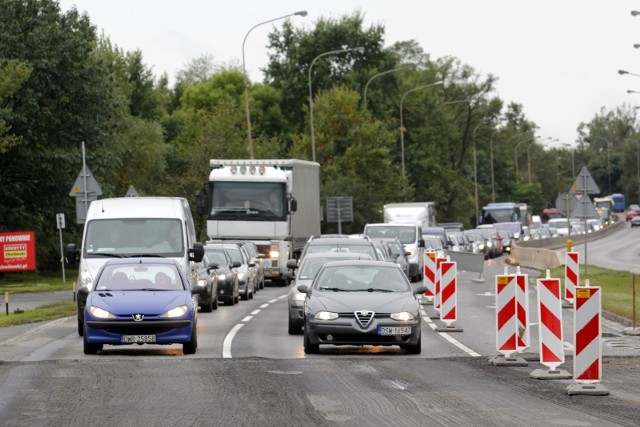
(224, 245)
(141, 260)
(336, 255)
(362, 263)
(340, 240)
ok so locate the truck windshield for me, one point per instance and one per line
(134, 237)
(247, 201)
(406, 234)
(492, 216)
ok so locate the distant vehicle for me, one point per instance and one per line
(507, 239)
(603, 202)
(619, 202)
(478, 242)
(227, 272)
(304, 275)
(635, 221)
(561, 225)
(247, 274)
(434, 244)
(339, 244)
(362, 303)
(494, 241)
(410, 234)
(394, 251)
(140, 301)
(208, 279)
(511, 216)
(422, 212)
(549, 213)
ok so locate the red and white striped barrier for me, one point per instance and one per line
(571, 275)
(449, 294)
(506, 318)
(429, 276)
(550, 322)
(437, 297)
(587, 362)
(522, 310)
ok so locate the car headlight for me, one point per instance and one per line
(299, 296)
(176, 312)
(489, 244)
(402, 316)
(240, 275)
(100, 313)
(275, 254)
(85, 278)
(325, 315)
(202, 282)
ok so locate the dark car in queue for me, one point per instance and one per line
(340, 244)
(140, 301)
(303, 274)
(247, 274)
(208, 279)
(395, 252)
(361, 303)
(228, 284)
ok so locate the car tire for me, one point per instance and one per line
(90, 348)
(215, 303)
(245, 296)
(294, 328)
(191, 346)
(207, 307)
(414, 348)
(80, 327)
(231, 301)
(309, 348)
(236, 299)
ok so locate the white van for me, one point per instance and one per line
(410, 235)
(134, 227)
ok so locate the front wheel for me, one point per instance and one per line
(309, 348)
(415, 348)
(90, 348)
(80, 326)
(191, 346)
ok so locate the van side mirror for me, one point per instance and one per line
(73, 255)
(294, 205)
(421, 243)
(197, 253)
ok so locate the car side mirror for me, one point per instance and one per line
(235, 264)
(421, 243)
(73, 255)
(305, 289)
(197, 253)
(197, 290)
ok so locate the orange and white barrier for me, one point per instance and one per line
(587, 363)
(448, 294)
(437, 297)
(550, 326)
(506, 317)
(571, 275)
(429, 276)
(522, 310)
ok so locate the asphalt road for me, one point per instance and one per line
(249, 371)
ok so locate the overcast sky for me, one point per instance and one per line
(558, 58)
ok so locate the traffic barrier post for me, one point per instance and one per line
(587, 359)
(448, 296)
(437, 296)
(522, 310)
(506, 323)
(6, 302)
(550, 329)
(429, 276)
(571, 277)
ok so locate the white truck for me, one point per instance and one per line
(273, 203)
(422, 212)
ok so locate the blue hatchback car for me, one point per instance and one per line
(141, 301)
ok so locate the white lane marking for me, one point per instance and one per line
(568, 346)
(395, 384)
(448, 337)
(226, 346)
(282, 296)
(254, 312)
(264, 306)
(273, 300)
(246, 319)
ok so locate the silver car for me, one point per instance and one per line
(304, 275)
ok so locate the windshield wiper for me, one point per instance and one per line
(336, 289)
(373, 290)
(107, 254)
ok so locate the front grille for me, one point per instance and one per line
(362, 339)
(364, 317)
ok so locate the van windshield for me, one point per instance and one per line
(406, 234)
(134, 237)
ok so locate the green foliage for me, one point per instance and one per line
(12, 75)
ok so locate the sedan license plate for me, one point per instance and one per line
(138, 339)
(394, 330)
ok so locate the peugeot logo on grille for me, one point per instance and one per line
(138, 317)
(364, 317)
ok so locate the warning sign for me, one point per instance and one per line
(17, 251)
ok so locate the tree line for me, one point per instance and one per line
(62, 84)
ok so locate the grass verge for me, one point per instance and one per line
(51, 311)
(29, 281)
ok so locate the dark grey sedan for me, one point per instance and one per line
(362, 303)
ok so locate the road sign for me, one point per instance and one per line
(60, 220)
(584, 209)
(78, 189)
(131, 192)
(584, 183)
(340, 209)
(565, 203)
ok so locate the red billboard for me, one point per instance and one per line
(17, 251)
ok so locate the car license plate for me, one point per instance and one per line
(138, 339)
(394, 330)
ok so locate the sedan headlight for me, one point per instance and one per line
(176, 312)
(402, 316)
(275, 254)
(325, 315)
(299, 296)
(100, 313)
(222, 277)
(240, 275)
(202, 282)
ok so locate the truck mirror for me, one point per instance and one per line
(294, 205)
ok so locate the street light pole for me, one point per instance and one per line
(332, 52)
(246, 78)
(402, 121)
(366, 86)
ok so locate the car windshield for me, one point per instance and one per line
(235, 255)
(136, 277)
(342, 247)
(362, 279)
(216, 257)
